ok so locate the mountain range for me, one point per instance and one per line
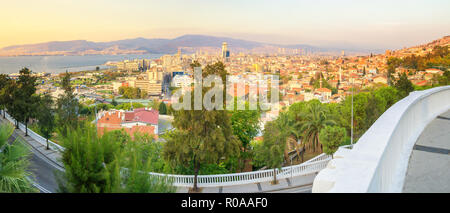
(188, 43)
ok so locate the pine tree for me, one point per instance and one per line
(5, 96)
(24, 98)
(201, 136)
(403, 85)
(162, 108)
(112, 163)
(68, 107)
(46, 118)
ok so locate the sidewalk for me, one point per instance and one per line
(52, 156)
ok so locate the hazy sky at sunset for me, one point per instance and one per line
(371, 24)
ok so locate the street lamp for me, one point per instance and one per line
(351, 131)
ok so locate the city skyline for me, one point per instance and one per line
(384, 25)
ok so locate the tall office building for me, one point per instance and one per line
(225, 52)
(224, 49)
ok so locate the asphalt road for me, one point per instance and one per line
(43, 170)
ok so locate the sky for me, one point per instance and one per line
(379, 24)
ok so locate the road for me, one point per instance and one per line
(43, 170)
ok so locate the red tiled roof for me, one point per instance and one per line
(112, 121)
(142, 115)
(129, 116)
(141, 129)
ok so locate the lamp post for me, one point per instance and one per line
(351, 129)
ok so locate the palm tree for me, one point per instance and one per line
(288, 129)
(314, 120)
(13, 164)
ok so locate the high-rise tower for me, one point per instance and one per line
(224, 49)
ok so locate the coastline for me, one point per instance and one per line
(59, 64)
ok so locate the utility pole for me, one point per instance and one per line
(351, 134)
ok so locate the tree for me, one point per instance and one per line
(374, 108)
(67, 107)
(14, 163)
(444, 79)
(46, 118)
(85, 159)
(132, 92)
(331, 138)
(24, 98)
(129, 106)
(110, 163)
(141, 156)
(403, 85)
(114, 102)
(245, 125)
(9, 93)
(162, 108)
(5, 83)
(274, 143)
(201, 136)
(143, 95)
(154, 104)
(316, 118)
(392, 64)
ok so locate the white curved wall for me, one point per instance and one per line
(378, 162)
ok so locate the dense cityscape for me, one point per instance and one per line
(131, 100)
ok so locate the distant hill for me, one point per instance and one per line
(188, 43)
(421, 49)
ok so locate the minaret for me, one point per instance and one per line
(179, 53)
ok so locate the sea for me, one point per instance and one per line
(59, 64)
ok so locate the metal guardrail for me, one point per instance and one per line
(309, 167)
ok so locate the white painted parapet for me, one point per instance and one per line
(378, 162)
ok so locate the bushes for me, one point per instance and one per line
(367, 108)
(331, 138)
(105, 164)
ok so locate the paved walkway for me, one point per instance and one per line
(429, 164)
